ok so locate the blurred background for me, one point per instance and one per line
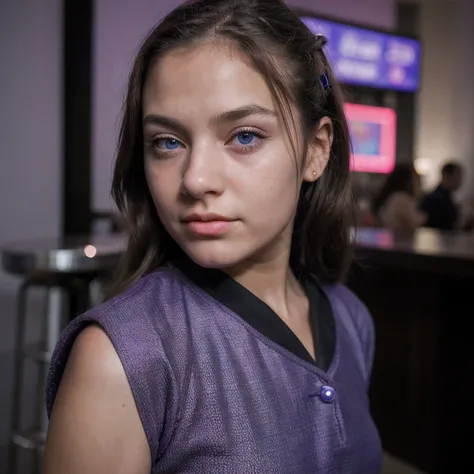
(408, 73)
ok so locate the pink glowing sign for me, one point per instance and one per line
(373, 134)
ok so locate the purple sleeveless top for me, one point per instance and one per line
(216, 396)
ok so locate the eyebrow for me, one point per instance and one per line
(224, 117)
(242, 112)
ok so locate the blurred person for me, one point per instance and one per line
(230, 344)
(396, 205)
(439, 205)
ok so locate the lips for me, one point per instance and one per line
(208, 225)
(209, 217)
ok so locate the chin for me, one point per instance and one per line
(214, 254)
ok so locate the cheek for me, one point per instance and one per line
(274, 189)
(161, 187)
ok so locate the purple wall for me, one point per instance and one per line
(121, 24)
(30, 158)
(30, 128)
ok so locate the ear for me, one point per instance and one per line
(319, 150)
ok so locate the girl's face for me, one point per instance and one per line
(218, 160)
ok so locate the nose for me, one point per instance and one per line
(203, 173)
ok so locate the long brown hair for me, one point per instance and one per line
(292, 61)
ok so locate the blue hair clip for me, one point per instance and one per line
(324, 80)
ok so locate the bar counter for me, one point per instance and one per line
(420, 291)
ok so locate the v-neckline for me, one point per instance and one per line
(263, 319)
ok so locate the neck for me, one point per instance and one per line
(270, 279)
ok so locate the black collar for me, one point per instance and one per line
(261, 317)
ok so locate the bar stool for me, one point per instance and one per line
(65, 270)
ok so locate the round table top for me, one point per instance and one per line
(81, 254)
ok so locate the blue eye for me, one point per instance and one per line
(246, 138)
(165, 144)
(170, 143)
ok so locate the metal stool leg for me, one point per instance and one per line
(53, 323)
(96, 293)
(17, 377)
(57, 314)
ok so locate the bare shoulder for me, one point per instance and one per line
(94, 358)
(95, 426)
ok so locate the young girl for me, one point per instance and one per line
(230, 346)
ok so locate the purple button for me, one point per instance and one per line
(327, 394)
